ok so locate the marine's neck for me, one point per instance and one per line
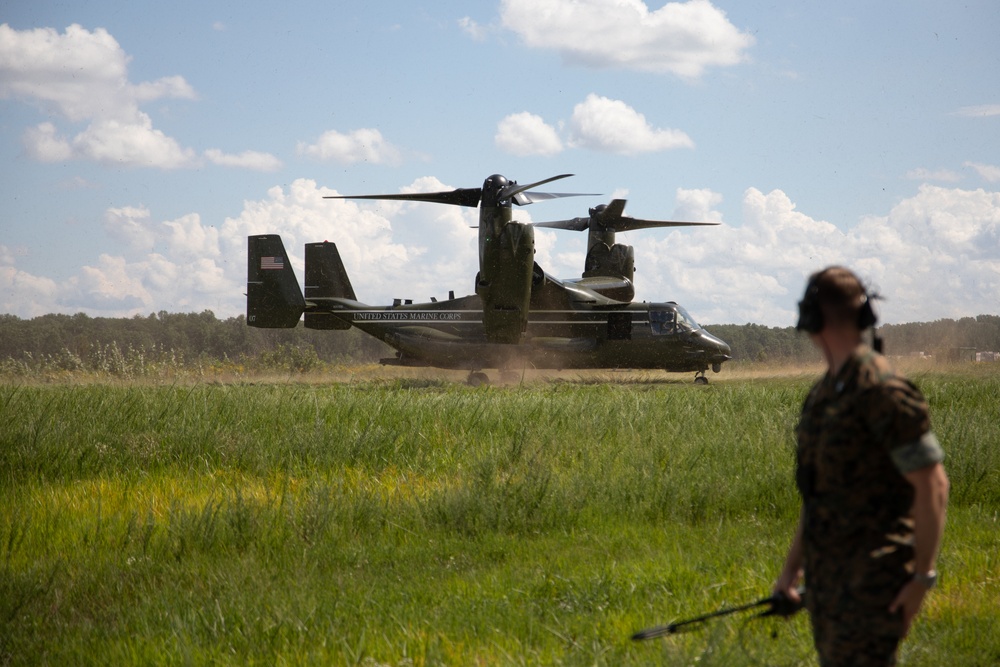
(838, 345)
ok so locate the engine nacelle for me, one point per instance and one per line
(504, 282)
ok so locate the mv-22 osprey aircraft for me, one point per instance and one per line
(519, 316)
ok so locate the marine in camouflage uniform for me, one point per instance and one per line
(873, 489)
(859, 432)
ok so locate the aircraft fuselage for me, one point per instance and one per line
(451, 334)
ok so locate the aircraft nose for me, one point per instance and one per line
(717, 346)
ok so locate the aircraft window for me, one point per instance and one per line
(685, 321)
(661, 321)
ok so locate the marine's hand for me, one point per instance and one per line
(787, 585)
(908, 602)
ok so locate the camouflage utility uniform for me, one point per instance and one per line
(859, 432)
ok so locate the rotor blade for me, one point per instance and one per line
(459, 197)
(514, 188)
(615, 209)
(574, 225)
(525, 198)
(610, 217)
(611, 211)
(625, 224)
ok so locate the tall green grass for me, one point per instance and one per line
(417, 522)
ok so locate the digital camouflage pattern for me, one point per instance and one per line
(859, 432)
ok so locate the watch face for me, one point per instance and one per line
(928, 579)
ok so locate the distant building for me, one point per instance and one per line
(955, 354)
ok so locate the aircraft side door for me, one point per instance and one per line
(620, 326)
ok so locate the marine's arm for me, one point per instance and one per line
(791, 572)
(930, 500)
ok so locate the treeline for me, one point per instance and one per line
(80, 342)
(947, 339)
(140, 345)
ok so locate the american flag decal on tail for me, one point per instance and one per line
(272, 263)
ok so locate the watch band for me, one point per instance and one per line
(928, 579)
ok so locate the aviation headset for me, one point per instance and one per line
(811, 311)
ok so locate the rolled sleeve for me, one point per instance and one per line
(917, 454)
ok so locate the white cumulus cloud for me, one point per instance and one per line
(246, 160)
(471, 28)
(114, 283)
(611, 126)
(979, 111)
(682, 38)
(130, 224)
(188, 237)
(363, 145)
(525, 133)
(24, 294)
(44, 144)
(697, 205)
(598, 123)
(81, 77)
(988, 172)
(130, 143)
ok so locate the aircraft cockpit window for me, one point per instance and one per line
(685, 322)
(661, 321)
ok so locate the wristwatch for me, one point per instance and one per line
(927, 579)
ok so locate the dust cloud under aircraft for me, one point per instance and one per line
(519, 316)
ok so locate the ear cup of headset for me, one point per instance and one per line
(810, 316)
(866, 315)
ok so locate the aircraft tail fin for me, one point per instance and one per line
(326, 278)
(274, 300)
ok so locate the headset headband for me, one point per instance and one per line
(811, 311)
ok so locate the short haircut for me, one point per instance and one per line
(839, 293)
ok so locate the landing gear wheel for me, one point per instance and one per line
(477, 379)
(700, 378)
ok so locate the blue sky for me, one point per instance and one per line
(140, 143)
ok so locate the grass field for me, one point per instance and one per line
(415, 521)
